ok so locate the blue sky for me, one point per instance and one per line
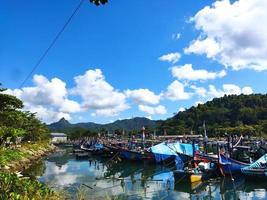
(124, 40)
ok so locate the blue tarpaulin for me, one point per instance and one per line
(175, 150)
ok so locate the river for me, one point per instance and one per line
(98, 178)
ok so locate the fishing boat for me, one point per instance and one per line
(187, 175)
(96, 149)
(229, 166)
(257, 169)
(170, 151)
(202, 171)
(136, 155)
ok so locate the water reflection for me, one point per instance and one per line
(101, 178)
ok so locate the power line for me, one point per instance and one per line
(52, 43)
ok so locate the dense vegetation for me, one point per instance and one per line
(22, 138)
(234, 114)
(13, 187)
(17, 125)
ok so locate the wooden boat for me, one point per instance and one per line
(202, 171)
(135, 155)
(257, 169)
(97, 149)
(229, 166)
(187, 175)
(83, 155)
(202, 157)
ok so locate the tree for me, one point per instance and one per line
(15, 123)
(99, 2)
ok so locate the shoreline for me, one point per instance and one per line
(29, 154)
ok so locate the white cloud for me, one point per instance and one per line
(206, 46)
(171, 57)
(186, 72)
(153, 110)
(247, 90)
(99, 95)
(200, 91)
(198, 102)
(237, 39)
(110, 112)
(143, 96)
(176, 91)
(228, 89)
(48, 99)
(181, 109)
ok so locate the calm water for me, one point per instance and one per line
(99, 179)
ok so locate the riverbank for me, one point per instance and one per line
(18, 159)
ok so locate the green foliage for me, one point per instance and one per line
(13, 187)
(234, 114)
(99, 2)
(77, 133)
(8, 155)
(15, 123)
(9, 102)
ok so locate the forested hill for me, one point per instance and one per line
(119, 125)
(246, 114)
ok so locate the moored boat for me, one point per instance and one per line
(229, 166)
(257, 169)
(187, 175)
(136, 155)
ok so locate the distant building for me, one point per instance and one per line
(58, 137)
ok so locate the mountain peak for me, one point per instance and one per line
(63, 121)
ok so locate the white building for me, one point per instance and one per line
(58, 137)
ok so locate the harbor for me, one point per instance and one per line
(183, 167)
(95, 177)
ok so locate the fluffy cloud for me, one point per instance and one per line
(237, 39)
(228, 89)
(49, 99)
(176, 91)
(200, 91)
(143, 96)
(198, 102)
(99, 95)
(153, 110)
(171, 57)
(181, 109)
(186, 72)
(247, 90)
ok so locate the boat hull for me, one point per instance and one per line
(183, 176)
(230, 166)
(136, 156)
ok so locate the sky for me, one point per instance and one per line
(131, 58)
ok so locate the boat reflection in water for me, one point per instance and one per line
(98, 178)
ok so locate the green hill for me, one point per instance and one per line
(234, 114)
(118, 126)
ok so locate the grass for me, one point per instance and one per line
(14, 188)
(12, 156)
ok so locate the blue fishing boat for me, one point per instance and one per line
(229, 166)
(136, 155)
(257, 169)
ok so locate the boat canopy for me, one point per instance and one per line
(174, 148)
